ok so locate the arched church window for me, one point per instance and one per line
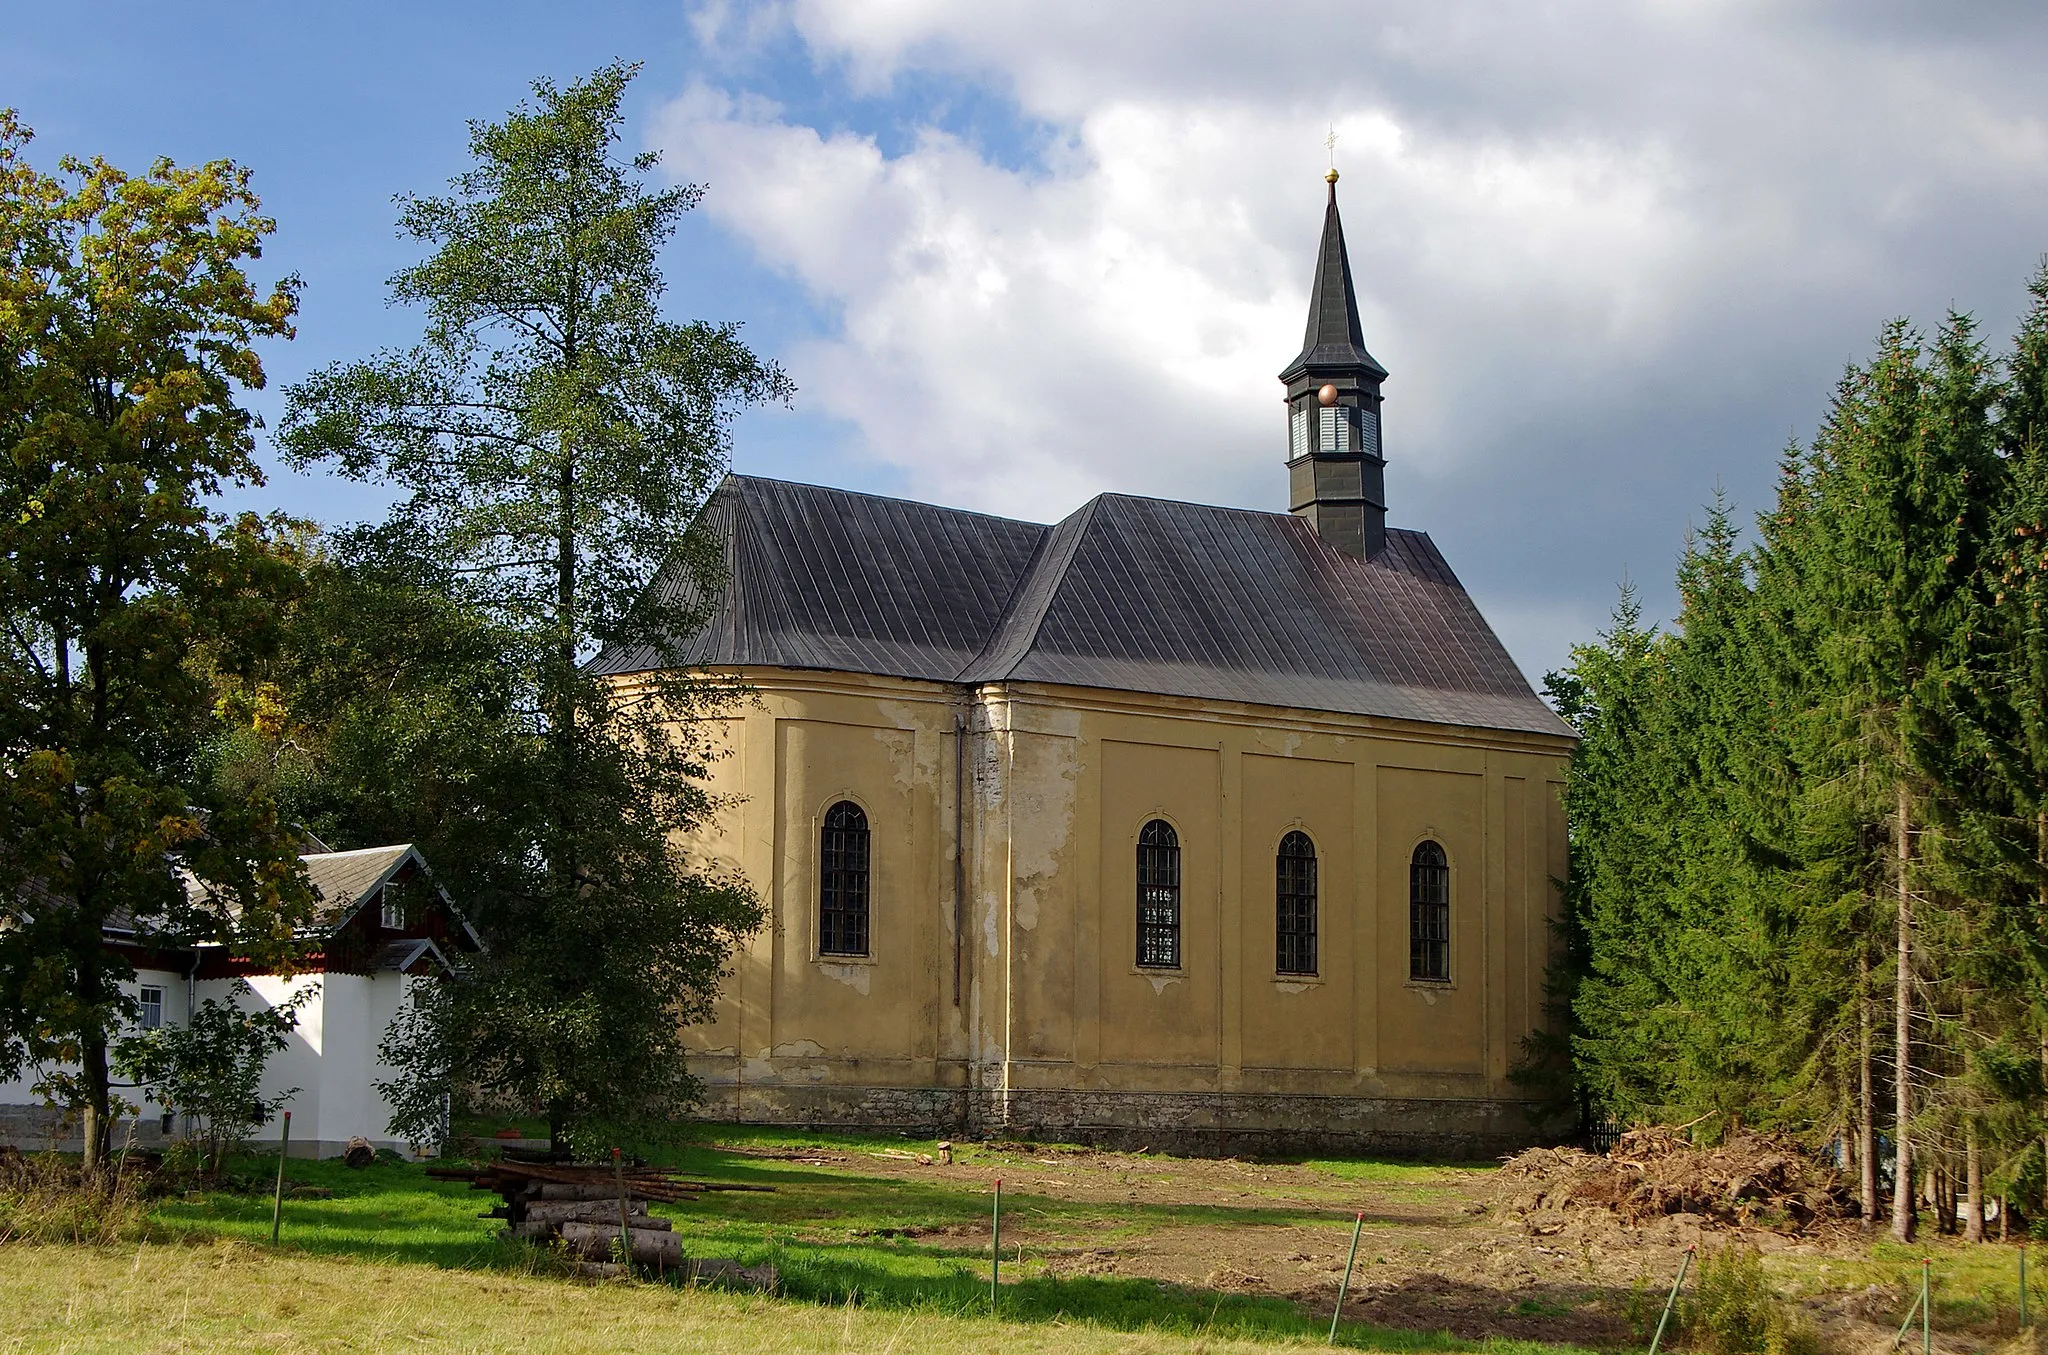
(1429, 914)
(1159, 896)
(1294, 899)
(843, 881)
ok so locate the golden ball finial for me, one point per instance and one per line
(1327, 396)
(1331, 177)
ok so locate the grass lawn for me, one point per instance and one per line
(233, 1297)
(869, 1258)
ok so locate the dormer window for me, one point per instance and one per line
(393, 911)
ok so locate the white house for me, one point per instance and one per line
(370, 942)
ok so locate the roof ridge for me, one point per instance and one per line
(1017, 632)
(356, 851)
(879, 498)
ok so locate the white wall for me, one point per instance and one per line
(331, 1058)
(176, 1008)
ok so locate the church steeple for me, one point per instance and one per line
(1336, 472)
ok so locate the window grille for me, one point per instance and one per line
(1297, 438)
(1369, 431)
(1159, 896)
(1429, 915)
(151, 1007)
(1333, 428)
(843, 881)
(1294, 897)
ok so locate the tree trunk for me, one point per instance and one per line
(1973, 1185)
(99, 1088)
(1866, 1101)
(1902, 1012)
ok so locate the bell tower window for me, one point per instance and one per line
(1333, 429)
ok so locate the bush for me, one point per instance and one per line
(42, 1199)
(1733, 1310)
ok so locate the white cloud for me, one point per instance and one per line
(1609, 252)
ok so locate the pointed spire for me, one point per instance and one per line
(1335, 466)
(1334, 338)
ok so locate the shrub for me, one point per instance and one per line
(212, 1066)
(1733, 1310)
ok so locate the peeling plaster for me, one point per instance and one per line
(854, 976)
(1291, 987)
(1160, 985)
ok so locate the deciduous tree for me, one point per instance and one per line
(128, 329)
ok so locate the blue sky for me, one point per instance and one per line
(1017, 252)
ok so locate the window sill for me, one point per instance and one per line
(1298, 980)
(1432, 985)
(842, 959)
(1153, 971)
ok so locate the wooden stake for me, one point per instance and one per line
(1684, 1265)
(284, 1145)
(1344, 1285)
(625, 1230)
(995, 1248)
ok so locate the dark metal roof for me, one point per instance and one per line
(1334, 337)
(1128, 594)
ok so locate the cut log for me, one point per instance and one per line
(590, 1211)
(650, 1247)
(717, 1270)
(360, 1152)
(549, 1190)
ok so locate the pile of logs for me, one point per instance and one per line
(599, 1212)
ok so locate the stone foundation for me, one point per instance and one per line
(35, 1129)
(1195, 1124)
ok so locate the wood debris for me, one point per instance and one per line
(1749, 1180)
(598, 1212)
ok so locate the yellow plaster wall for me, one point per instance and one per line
(1059, 784)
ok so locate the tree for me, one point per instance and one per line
(127, 328)
(212, 1066)
(554, 436)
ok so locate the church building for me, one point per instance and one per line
(1167, 824)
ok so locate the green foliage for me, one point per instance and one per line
(1732, 1310)
(127, 332)
(212, 1066)
(1846, 714)
(553, 435)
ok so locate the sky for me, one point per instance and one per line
(1015, 253)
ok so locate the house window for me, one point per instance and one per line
(1294, 898)
(1429, 915)
(843, 881)
(151, 1007)
(394, 910)
(1159, 896)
